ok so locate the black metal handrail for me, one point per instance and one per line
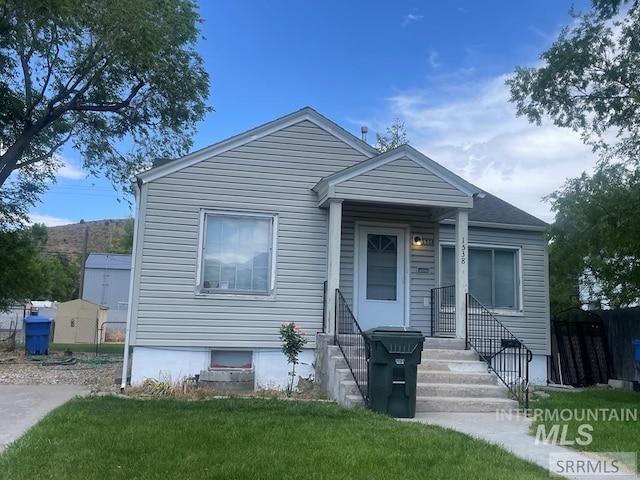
(443, 311)
(353, 344)
(505, 354)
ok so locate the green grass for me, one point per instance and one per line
(103, 348)
(114, 438)
(616, 430)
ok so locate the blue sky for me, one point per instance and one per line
(438, 66)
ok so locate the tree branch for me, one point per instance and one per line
(44, 156)
(109, 107)
(24, 62)
(47, 79)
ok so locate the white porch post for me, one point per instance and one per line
(333, 263)
(462, 271)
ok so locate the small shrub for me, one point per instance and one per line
(293, 341)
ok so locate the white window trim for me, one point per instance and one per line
(199, 290)
(514, 312)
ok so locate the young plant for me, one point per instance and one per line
(293, 341)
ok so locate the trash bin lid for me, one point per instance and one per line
(393, 330)
(636, 343)
(37, 319)
(400, 340)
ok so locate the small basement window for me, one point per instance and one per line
(231, 359)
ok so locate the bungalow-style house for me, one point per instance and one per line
(262, 229)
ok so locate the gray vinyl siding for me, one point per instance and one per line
(401, 181)
(532, 326)
(422, 257)
(271, 175)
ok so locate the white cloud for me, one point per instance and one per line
(411, 17)
(433, 59)
(70, 170)
(470, 127)
(49, 220)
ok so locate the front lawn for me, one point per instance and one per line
(591, 420)
(114, 438)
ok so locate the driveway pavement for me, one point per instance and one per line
(22, 406)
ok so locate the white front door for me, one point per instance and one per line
(380, 277)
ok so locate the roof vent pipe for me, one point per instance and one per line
(364, 131)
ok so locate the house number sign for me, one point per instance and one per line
(463, 251)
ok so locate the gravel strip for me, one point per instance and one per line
(79, 370)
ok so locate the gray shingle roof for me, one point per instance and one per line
(492, 209)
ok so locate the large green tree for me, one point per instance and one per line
(27, 274)
(589, 81)
(596, 236)
(119, 80)
(21, 273)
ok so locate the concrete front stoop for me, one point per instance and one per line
(452, 379)
(449, 379)
(343, 388)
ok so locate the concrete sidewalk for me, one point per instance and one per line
(22, 406)
(511, 432)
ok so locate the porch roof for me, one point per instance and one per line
(400, 176)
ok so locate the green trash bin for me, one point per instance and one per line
(393, 356)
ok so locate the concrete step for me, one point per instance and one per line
(452, 366)
(484, 377)
(442, 354)
(457, 404)
(349, 387)
(444, 343)
(352, 401)
(461, 390)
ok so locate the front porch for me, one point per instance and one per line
(398, 254)
(383, 238)
(486, 371)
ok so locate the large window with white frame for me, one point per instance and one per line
(494, 276)
(237, 253)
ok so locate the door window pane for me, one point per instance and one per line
(382, 267)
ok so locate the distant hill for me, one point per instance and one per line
(67, 240)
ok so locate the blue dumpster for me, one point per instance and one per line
(36, 335)
(636, 344)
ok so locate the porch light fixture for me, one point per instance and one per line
(417, 241)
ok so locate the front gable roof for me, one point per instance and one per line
(400, 176)
(403, 176)
(307, 113)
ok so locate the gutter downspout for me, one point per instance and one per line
(125, 362)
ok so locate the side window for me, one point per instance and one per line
(493, 275)
(237, 253)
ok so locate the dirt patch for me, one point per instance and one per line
(99, 373)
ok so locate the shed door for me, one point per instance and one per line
(380, 277)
